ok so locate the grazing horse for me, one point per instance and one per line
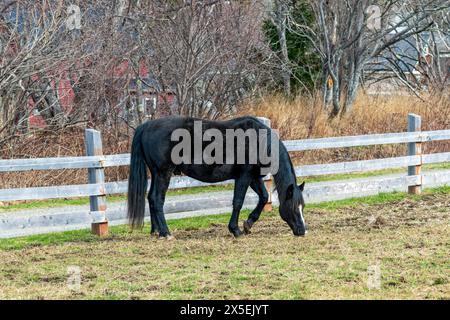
(152, 147)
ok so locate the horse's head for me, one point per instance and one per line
(291, 209)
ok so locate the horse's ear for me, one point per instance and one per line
(302, 186)
(290, 192)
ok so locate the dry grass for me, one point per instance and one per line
(407, 238)
(304, 118)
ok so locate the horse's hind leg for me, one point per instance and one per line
(258, 186)
(154, 224)
(157, 197)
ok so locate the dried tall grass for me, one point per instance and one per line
(304, 118)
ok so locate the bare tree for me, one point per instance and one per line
(34, 52)
(279, 17)
(416, 63)
(350, 34)
(50, 49)
(210, 53)
(434, 69)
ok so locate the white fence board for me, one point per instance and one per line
(38, 193)
(353, 188)
(117, 160)
(436, 157)
(366, 140)
(50, 163)
(175, 183)
(356, 166)
(60, 163)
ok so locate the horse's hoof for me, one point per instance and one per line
(247, 227)
(237, 233)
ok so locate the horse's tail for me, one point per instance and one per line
(137, 183)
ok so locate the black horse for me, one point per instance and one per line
(152, 147)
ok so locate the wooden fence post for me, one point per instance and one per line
(93, 142)
(268, 178)
(415, 149)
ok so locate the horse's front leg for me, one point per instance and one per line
(240, 189)
(263, 196)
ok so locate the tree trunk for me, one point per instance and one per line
(49, 106)
(327, 86)
(336, 99)
(286, 72)
(335, 74)
(352, 90)
(281, 13)
(1, 113)
(140, 103)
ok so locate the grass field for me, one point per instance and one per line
(405, 237)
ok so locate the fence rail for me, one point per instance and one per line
(95, 162)
(366, 140)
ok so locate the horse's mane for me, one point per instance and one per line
(286, 173)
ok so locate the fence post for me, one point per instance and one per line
(93, 142)
(268, 178)
(415, 149)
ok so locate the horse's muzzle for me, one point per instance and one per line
(300, 232)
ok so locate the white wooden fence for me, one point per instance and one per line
(96, 162)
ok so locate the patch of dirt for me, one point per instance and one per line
(430, 209)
